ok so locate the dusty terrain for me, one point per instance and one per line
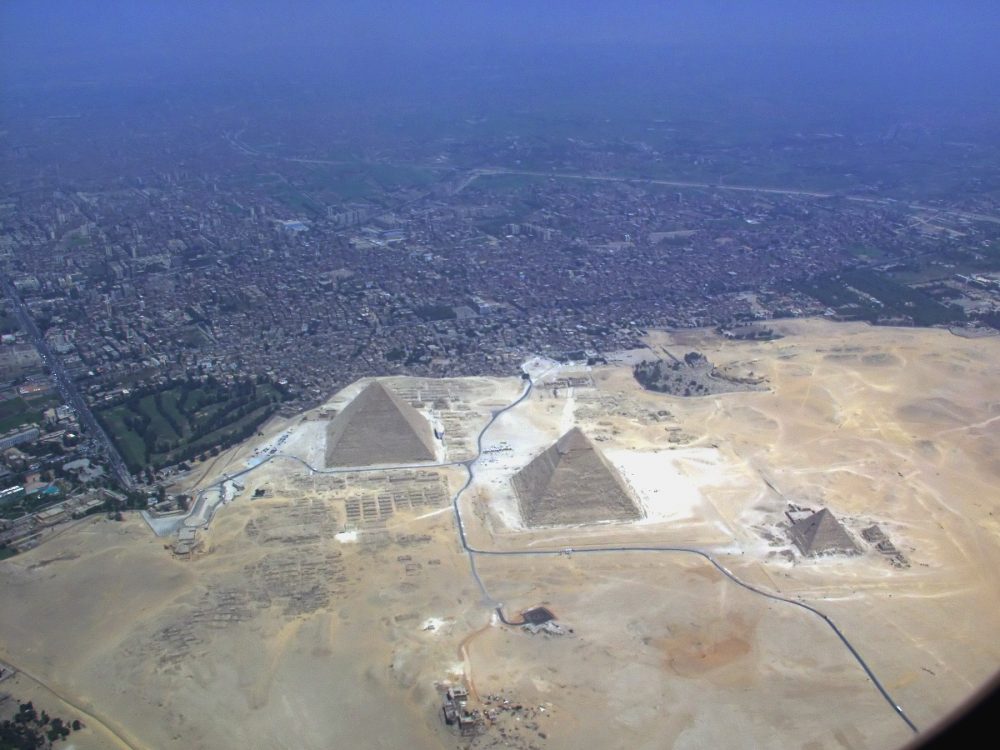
(326, 609)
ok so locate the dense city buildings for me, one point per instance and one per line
(181, 279)
(168, 290)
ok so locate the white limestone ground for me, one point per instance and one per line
(670, 485)
(567, 419)
(539, 367)
(436, 624)
(512, 441)
(306, 440)
(509, 445)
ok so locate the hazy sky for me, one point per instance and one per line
(45, 34)
(865, 53)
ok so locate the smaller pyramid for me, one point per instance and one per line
(822, 534)
(570, 482)
(378, 428)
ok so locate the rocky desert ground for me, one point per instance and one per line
(324, 606)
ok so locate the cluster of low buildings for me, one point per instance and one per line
(181, 276)
(30, 529)
(45, 460)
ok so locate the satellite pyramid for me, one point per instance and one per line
(378, 428)
(822, 534)
(570, 482)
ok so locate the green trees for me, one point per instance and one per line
(182, 419)
(29, 730)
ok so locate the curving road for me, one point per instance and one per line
(473, 552)
(88, 715)
(892, 202)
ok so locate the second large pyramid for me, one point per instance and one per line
(570, 482)
(378, 428)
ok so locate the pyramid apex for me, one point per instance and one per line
(822, 533)
(573, 439)
(570, 482)
(377, 427)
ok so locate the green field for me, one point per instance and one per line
(29, 504)
(16, 412)
(8, 323)
(183, 420)
(865, 252)
(895, 300)
(505, 182)
(310, 187)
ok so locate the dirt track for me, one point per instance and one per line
(282, 619)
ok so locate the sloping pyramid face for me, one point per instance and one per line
(378, 428)
(570, 482)
(822, 534)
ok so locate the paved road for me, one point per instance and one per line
(67, 388)
(477, 173)
(88, 715)
(473, 552)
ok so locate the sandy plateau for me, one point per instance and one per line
(325, 608)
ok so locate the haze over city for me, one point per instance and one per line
(537, 375)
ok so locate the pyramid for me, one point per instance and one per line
(822, 534)
(378, 428)
(570, 482)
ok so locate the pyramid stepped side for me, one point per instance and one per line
(532, 481)
(822, 534)
(570, 482)
(378, 428)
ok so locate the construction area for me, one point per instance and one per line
(575, 582)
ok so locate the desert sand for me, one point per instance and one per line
(329, 608)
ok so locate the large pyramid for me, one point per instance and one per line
(822, 534)
(378, 428)
(570, 482)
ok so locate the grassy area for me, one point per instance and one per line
(170, 403)
(30, 504)
(233, 430)
(865, 252)
(129, 442)
(851, 294)
(77, 240)
(183, 420)
(401, 175)
(11, 406)
(309, 187)
(501, 182)
(296, 200)
(9, 324)
(16, 412)
(158, 422)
